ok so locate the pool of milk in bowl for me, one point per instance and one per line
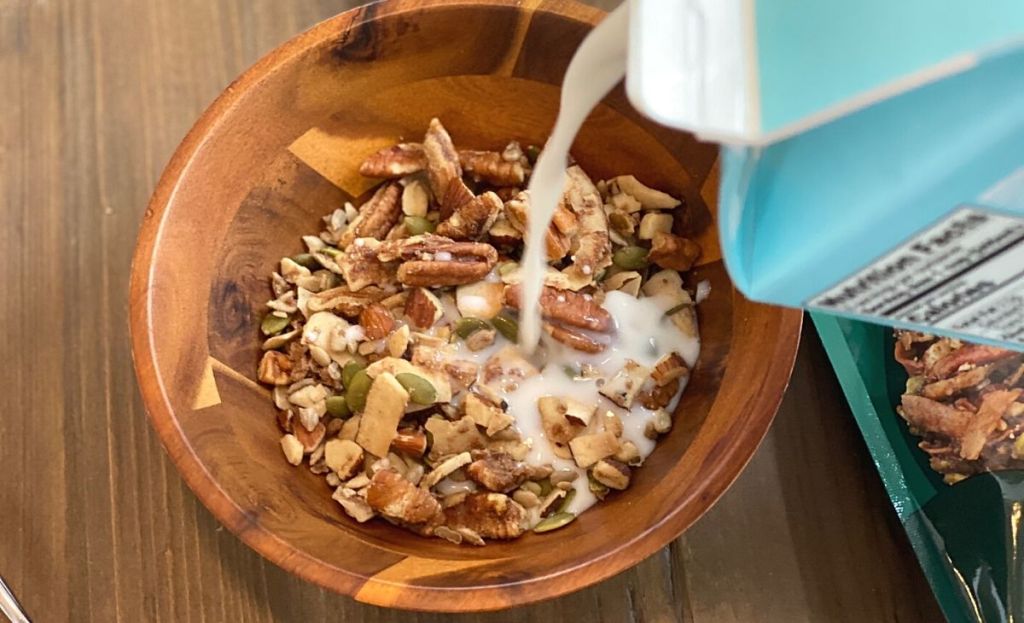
(642, 333)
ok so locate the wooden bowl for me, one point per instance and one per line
(279, 149)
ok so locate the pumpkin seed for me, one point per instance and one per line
(600, 490)
(418, 225)
(532, 153)
(331, 251)
(273, 324)
(545, 487)
(464, 327)
(338, 406)
(507, 327)
(566, 501)
(506, 267)
(349, 371)
(358, 388)
(307, 260)
(630, 258)
(554, 522)
(421, 391)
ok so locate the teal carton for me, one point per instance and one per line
(909, 212)
(873, 151)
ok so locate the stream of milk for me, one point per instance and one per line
(599, 64)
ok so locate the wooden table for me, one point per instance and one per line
(96, 524)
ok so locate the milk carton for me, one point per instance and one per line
(873, 151)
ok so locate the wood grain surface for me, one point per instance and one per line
(96, 523)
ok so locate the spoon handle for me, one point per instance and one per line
(9, 605)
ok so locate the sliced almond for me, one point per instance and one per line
(624, 386)
(292, 449)
(344, 457)
(589, 449)
(612, 474)
(398, 341)
(654, 223)
(558, 428)
(486, 414)
(453, 437)
(648, 197)
(445, 468)
(353, 504)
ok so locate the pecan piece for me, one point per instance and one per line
(376, 217)
(444, 169)
(497, 471)
(392, 495)
(669, 368)
(490, 515)
(969, 354)
(395, 161)
(989, 414)
(442, 273)
(574, 339)
(423, 308)
(361, 266)
(593, 246)
(345, 301)
(572, 308)
(556, 240)
(491, 167)
(945, 388)
(935, 417)
(275, 368)
(472, 219)
(672, 251)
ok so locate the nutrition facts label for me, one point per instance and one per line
(965, 274)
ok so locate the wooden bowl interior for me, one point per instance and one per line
(279, 151)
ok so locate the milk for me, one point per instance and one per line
(599, 64)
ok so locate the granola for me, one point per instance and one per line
(391, 345)
(964, 402)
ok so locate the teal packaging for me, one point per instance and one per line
(967, 537)
(909, 212)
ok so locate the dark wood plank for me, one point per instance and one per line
(97, 524)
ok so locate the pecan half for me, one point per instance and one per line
(444, 169)
(473, 218)
(395, 161)
(491, 515)
(491, 167)
(435, 261)
(392, 495)
(672, 251)
(408, 158)
(376, 217)
(572, 308)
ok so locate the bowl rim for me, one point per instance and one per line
(161, 414)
